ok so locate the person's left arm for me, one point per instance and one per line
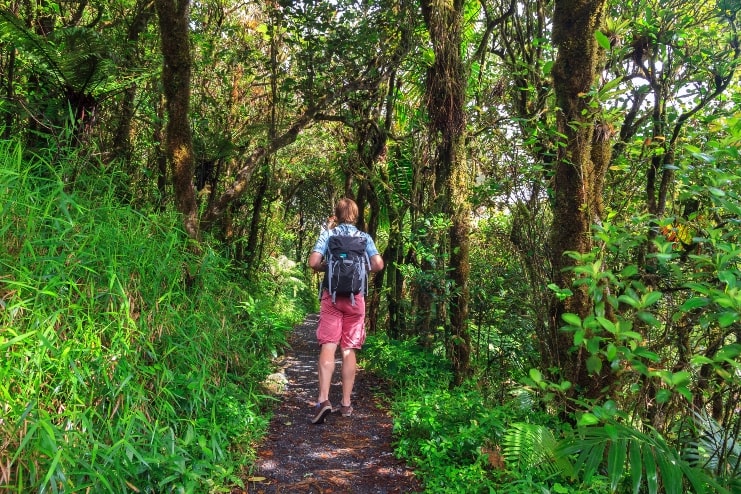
(376, 261)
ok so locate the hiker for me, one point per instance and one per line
(342, 310)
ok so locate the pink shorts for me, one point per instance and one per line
(341, 322)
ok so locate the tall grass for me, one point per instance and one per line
(127, 363)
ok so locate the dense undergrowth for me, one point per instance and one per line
(664, 335)
(128, 362)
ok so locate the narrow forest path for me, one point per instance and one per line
(345, 454)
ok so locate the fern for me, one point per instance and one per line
(528, 447)
(76, 60)
(40, 52)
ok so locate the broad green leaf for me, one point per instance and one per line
(694, 303)
(685, 392)
(699, 287)
(610, 85)
(647, 354)
(680, 378)
(663, 395)
(700, 360)
(636, 466)
(727, 318)
(629, 271)
(626, 299)
(632, 335)
(728, 352)
(603, 40)
(593, 460)
(535, 375)
(652, 475)
(729, 277)
(611, 431)
(587, 419)
(616, 462)
(607, 324)
(579, 335)
(651, 298)
(593, 344)
(571, 319)
(594, 364)
(716, 191)
(671, 474)
(648, 318)
(611, 352)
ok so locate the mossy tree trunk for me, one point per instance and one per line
(176, 74)
(445, 98)
(577, 185)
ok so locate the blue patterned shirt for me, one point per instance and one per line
(344, 229)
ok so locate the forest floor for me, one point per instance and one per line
(344, 454)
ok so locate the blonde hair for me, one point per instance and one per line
(346, 211)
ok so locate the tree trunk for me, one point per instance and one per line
(160, 157)
(174, 32)
(577, 186)
(252, 250)
(121, 138)
(393, 257)
(445, 98)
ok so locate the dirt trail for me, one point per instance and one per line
(345, 454)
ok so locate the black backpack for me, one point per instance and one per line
(347, 266)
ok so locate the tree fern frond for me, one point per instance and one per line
(76, 60)
(40, 51)
(401, 171)
(86, 63)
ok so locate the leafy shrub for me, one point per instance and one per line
(128, 362)
(405, 364)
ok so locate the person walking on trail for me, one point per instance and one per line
(342, 309)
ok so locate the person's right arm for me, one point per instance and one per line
(316, 258)
(316, 262)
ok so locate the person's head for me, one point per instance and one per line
(346, 211)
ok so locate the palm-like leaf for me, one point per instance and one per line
(651, 461)
(717, 449)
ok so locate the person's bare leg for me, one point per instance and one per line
(325, 370)
(349, 366)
